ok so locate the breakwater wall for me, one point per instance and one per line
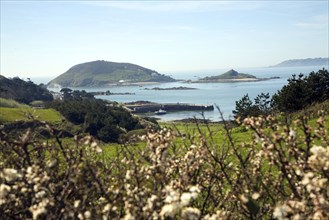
(169, 107)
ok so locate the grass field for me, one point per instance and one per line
(9, 103)
(215, 133)
(26, 114)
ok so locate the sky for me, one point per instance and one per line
(46, 38)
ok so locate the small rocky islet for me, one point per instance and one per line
(231, 76)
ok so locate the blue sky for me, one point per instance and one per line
(47, 38)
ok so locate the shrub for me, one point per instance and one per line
(97, 118)
(282, 173)
(246, 108)
(302, 91)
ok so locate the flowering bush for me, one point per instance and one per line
(282, 173)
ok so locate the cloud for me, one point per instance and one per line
(316, 22)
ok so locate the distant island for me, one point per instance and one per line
(230, 76)
(303, 62)
(172, 88)
(103, 73)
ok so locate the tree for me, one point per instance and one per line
(67, 93)
(291, 97)
(21, 91)
(264, 102)
(245, 108)
(318, 82)
(302, 91)
(104, 122)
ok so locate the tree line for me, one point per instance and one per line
(98, 118)
(300, 92)
(23, 91)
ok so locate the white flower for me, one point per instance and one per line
(307, 178)
(39, 208)
(169, 210)
(150, 203)
(317, 150)
(87, 214)
(76, 203)
(93, 144)
(280, 212)
(10, 174)
(172, 197)
(29, 170)
(255, 196)
(40, 194)
(292, 134)
(51, 163)
(98, 149)
(4, 190)
(191, 213)
(194, 189)
(320, 158)
(128, 174)
(193, 146)
(222, 215)
(244, 199)
(24, 190)
(128, 216)
(185, 198)
(107, 208)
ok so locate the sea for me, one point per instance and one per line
(222, 95)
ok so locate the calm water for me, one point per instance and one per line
(223, 95)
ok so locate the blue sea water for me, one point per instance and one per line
(222, 95)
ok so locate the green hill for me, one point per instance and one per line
(229, 75)
(99, 73)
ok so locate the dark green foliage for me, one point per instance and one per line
(302, 91)
(22, 91)
(75, 94)
(105, 122)
(263, 103)
(318, 84)
(245, 107)
(109, 133)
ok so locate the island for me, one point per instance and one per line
(104, 73)
(303, 62)
(172, 88)
(229, 76)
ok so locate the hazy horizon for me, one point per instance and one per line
(45, 39)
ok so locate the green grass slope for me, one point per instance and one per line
(10, 103)
(28, 114)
